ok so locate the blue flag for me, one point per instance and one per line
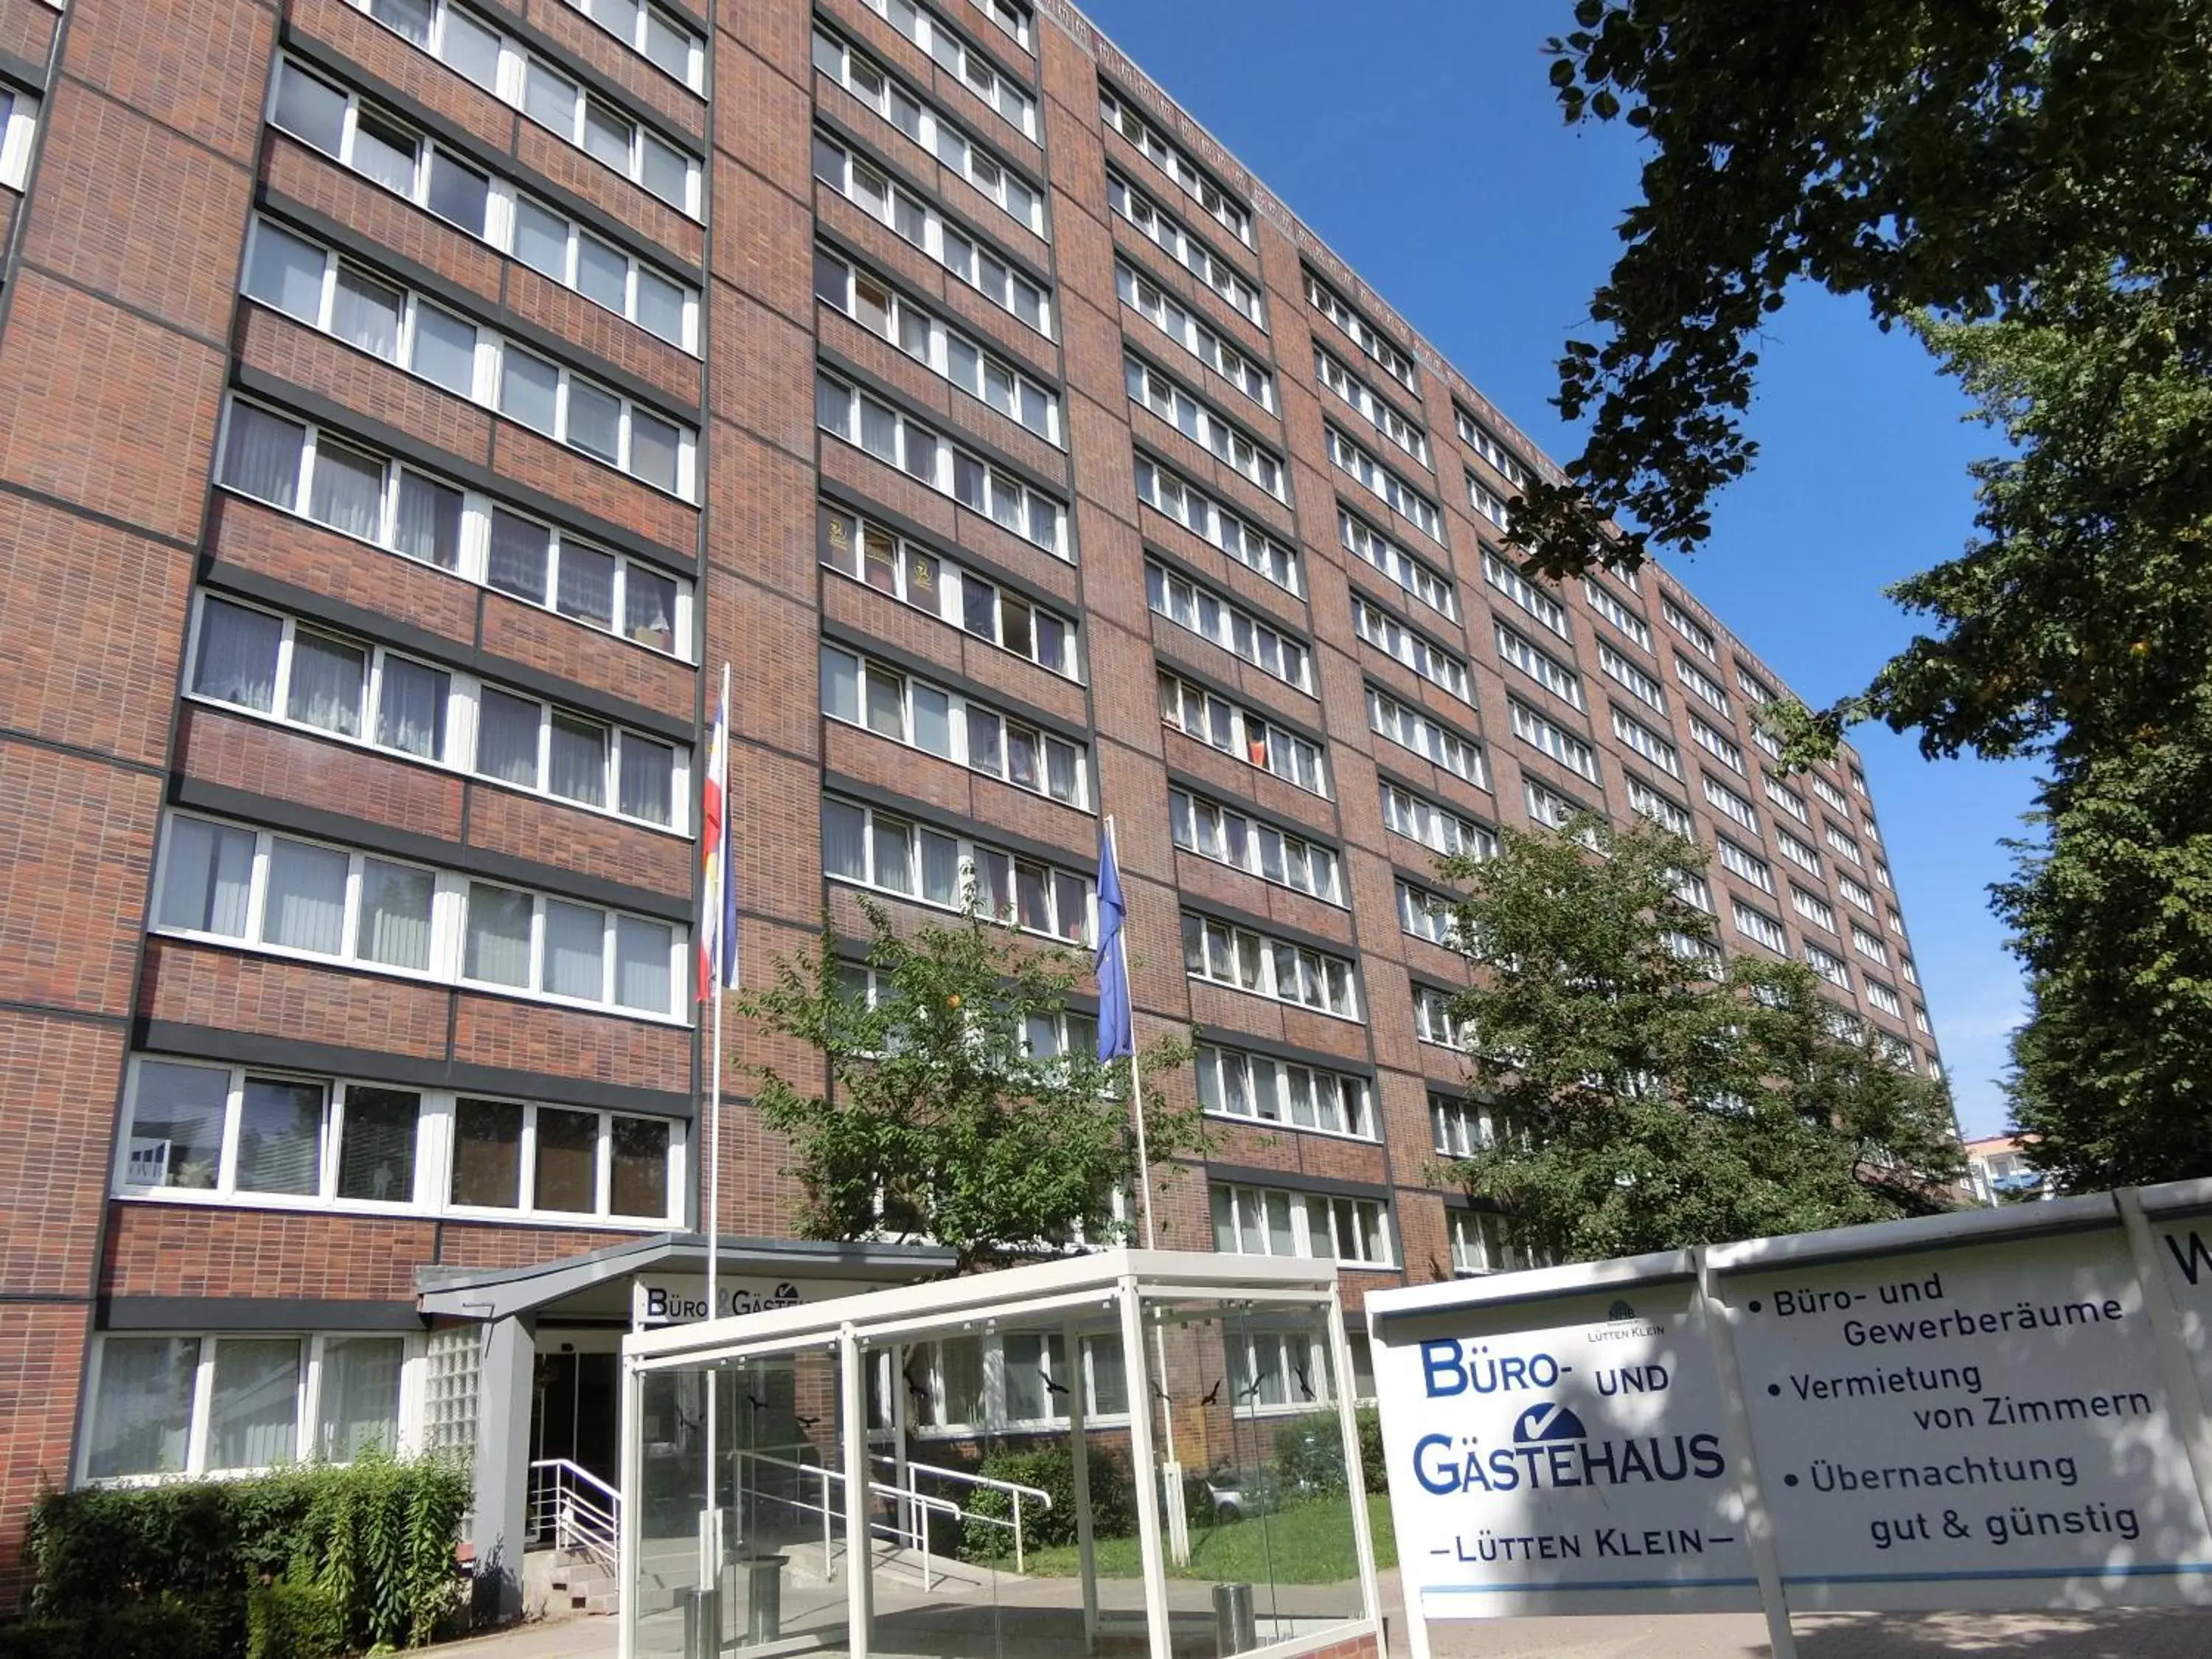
(1116, 1037)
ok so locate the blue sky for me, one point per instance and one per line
(1418, 138)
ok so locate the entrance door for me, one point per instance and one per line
(577, 1412)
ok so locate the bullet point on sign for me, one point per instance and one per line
(1774, 1388)
(1754, 1304)
(1789, 1480)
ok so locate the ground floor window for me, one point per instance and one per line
(224, 1402)
(1026, 1380)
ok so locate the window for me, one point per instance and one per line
(1199, 513)
(1426, 916)
(1536, 600)
(1769, 745)
(1481, 1244)
(1286, 1093)
(861, 691)
(1378, 412)
(1021, 200)
(303, 675)
(1843, 843)
(1602, 601)
(1014, 19)
(1547, 807)
(1788, 799)
(1274, 1371)
(1416, 650)
(1689, 628)
(1488, 502)
(1169, 315)
(948, 352)
(1437, 828)
(1757, 689)
(938, 40)
(242, 1136)
(1721, 748)
(1216, 722)
(1798, 852)
(1859, 782)
(1224, 954)
(1640, 686)
(1647, 743)
(1562, 745)
(1751, 867)
(1230, 835)
(1272, 1221)
(1814, 909)
(1827, 966)
(1169, 158)
(1663, 810)
(1701, 953)
(973, 261)
(1480, 439)
(989, 611)
(1834, 797)
(1729, 803)
(1904, 967)
(1423, 581)
(665, 41)
(1881, 875)
(1460, 1128)
(896, 854)
(1385, 485)
(609, 134)
(277, 893)
(1412, 728)
(1363, 334)
(1703, 684)
(227, 1401)
(1540, 665)
(1763, 929)
(300, 468)
(1920, 1019)
(1435, 1021)
(1167, 234)
(1200, 422)
(1870, 945)
(19, 121)
(900, 441)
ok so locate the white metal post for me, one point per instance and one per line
(2184, 1399)
(710, 1570)
(633, 1443)
(859, 1554)
(1355, 1480)
(1758, 1524)
(1078, 1457)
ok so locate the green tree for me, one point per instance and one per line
(1654, 1099)
(952, 1112)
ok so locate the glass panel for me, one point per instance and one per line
(411, 708)
(310, 109)
(487, 1153)
(567, 1161)
(409, 17)
(594, 421)
(287, 273)
(429, 524)
(376, 1145)
(176, 1126)
(445, 349)
(529, 390)
(606, 135)
(347, 490)
(208, 878)
(236, 662)
(359, 1396)
(541, 240)
(649, 608)
(575, 951)
(667, 174)
(648, 778)
(253, 1419)
(579, 760)
(932, 720)
(520, 552)
(602, 274)
(142, 1416)
(328, 678)
(385, 151)
(306, 907)
(655, 449)
(844, 841)
(668, 46)
(261, 455)
(280, 1137)
(587, 585)
(506, 738)
(471, 48)
(459, 193)
(549, 98)
(496, 949)
(638, 1178)
(366, 313)
(642, 979)
(660, 305)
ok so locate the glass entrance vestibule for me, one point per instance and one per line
(1186, 1480)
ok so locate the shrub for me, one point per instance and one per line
(205, 1628)
(1052, 1470)
(289, 1620)
(1309, 1453)
(43, 1638)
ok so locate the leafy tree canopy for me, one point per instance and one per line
(1654, 1099)
(952, 1112)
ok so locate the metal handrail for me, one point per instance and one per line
(564, 1499)
(1013, 1489)
(916, 1537)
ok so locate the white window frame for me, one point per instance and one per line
(1538, 601)
(1547, 807)
(1488, 502)
(1834, 797)
(1843, 845)
(1172, 159)
(1213, 829)
(1460, 1128)
(1369, 405)
(1434, 825)
(1411, 727)
(1486, 445)
(1154, 389)
(1305, 1243)
(1753, 688)
(1788, 799)
(1549, 738)
(1868, 945)
(937, 40)
(1220, 723)
(1625, 673)
(933, 459)
(1423, 580)
(1175, 320)
(1760, 928)
(1603, 600)
(471, 562)
(1328, 984)
(639, 38)
(1213, 1066)
(1815, 909)
(1385, 485)
(19, 127)
(1799, 852)
(1700, 636)
(960, 708)
(1725, 800)
(1753, 868)
(1377, 346)
(1643, 740)
(1699, 682)
(1827, 965)
(1435, 1023)
(1478, 1246)
(1173, 496)
(1661, 808)
(460, 716)
(1723, 749)
(957, 596)
(1165, 232)
(1516, 649)
(1426, 915)
(1410, 646)
(1016, 21)
(973, 865)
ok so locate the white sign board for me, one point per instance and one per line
(1581, 1455)
(2000, 1409)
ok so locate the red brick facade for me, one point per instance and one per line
(122, 331)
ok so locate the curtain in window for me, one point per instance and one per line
(579, 757)
(376, 1146)
(142, 1416)
(648, 778)
(520, 550)
(208, 878)
(587, 585)
(359, 1396)
(261, 455)
(395, 915)
(366, 313)
(575, 951)
(506, 738)
(385, 152)
(844, 841)
(429, 526)
(641, 952)
(497, 946)
(237, 658)
(347, 490)
(408, 17)
(328, 677)
(254, 1418)
(411, 708)
(306, 907)
(650, 609)
(280, 1137)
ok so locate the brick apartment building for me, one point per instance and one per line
(418, 401)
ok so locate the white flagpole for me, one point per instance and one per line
(710, 1542)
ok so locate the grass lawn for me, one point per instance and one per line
(1306, 1544)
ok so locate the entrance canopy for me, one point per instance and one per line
(1130, 1444)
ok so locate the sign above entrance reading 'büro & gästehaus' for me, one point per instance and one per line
(681, 1299)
